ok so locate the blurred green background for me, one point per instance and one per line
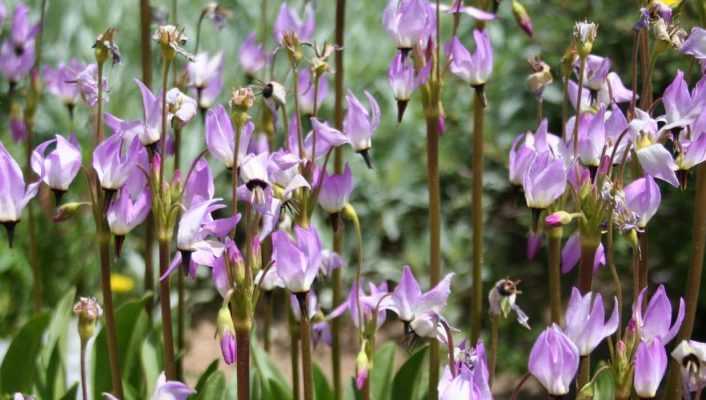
(391, 199)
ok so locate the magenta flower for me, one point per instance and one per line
(654, 322)
(87, 82)
(57, 167)
(14, 193)
(253, 56)
(113, 165)
(206, 77)
(369, 303)
(544, 181)
(471, 375)
(152, 116)
(58, 81)
(131, 206)
(680, 106)
(458, 8)
(196, 224)
(306, 92)
(650, 367)
(200, 186)
(327, 137)
(17, 51)
(336, 190)
(297, 260)
(642, 197)
(408, 301)
(289, 22)
(164, 389)
(474, 69)
(585, 320)
(695, 44)
(554, 361)
(404, 80)
(595, 73)
(409, 22)
(359, 124)
(657, 161)
(220, 136)
(571, 254)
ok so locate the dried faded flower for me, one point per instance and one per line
(105, 47)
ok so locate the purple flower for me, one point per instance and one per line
(206, 75)
(57, 167)
(180, 107)
(544, 180)
(409, 22)
(17, 51)
(650, 367)
(164, 389)
(404, 80)
(571, 253)
(297, 261)
(327, 137)
(112, 164)
(359, 124)
(585, 320)
(199, 187)
(220, 136)
(132, 204)
(220, 256)
(196, 224)
(335, 190)
(526, 146)
(642, 197)
(680, 107)
(226, 335)
(657, 161)
(695, 44)
(471, 375)
(474, 69)
(152, 116)
(408, 301)
(369, 303)
(253, 56)
(289, 22)
(596, 71)
(691, 356)
(654, 322)
(693, 152)
(592, 137)
(18, 128)
(306, 92)
(14, 193)
(58, 81)
(458, 8)
(554, 361)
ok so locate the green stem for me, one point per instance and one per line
(146, 59)
(577, 121)
(610, 260)
(477, 215)
(555, 235)
(642, 263)
(588, 253)
(433, 186)
(165, 306)
(163, 140)
(84, 381)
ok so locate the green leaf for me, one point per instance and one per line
(214, 388)
(268, 372)
(409, 375)
(604, 385)
(71, 393)
(210, 370)
(322, 390)
(151, 362)
(383, 367)
(131, 325)
(59, 324)
(52, 367)
(19, 368)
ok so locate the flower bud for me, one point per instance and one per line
(584, 35)
(523, 19)
(88, 311)
(226, 335)
(362, 365)
(242, 99)
(558, 218)
(67, 211)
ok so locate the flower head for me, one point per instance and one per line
(335, 190)
(642, 197)
(59, 166)
(220, 136)
(408, 301)
(58, 81)
(470, 380)
(112, 164)
(544, 181)
(554, 361)
(474, 69)
(289, 22)
(654, 322)
(297, 260)
(585, 320)
(360, 124)
(253, 56)
(409, 22)
(650, 367)
(14, 193)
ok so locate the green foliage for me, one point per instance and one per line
(322, 390)
(406, 384)
(19, 367)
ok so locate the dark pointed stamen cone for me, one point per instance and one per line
(58, 195)
(366, 156)
(185, 260)
(405, 52)
(335, 219)
(401, 107)
(683, 177)
(108, 197)
(481, 91)
(535, 218)
(593, 170)
(152, 148)
(10, 228)
(119, 240)
(301, 299)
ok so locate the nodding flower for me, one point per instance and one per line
(585, 320)
(253, 56)
(17, 52)
(360, 124)
(468, 378)
(404, 80)
(474, 69)
(655, 321)
(695, 44)
(335, 190)
(408, 22)
(309, 95)
(554, 361)
(113, 164)
(206, 77)
(650, 366)
(59, 166)
(544, 181)
(14, 193)
(58, 81)
(220, 137)
(297, 260)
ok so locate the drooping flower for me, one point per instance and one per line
(164, 390)
(59, 166)
(476, 68)
(180, 107)
(17, 51)
(359, 124)
(307, 93)
(457, 7)
(695, 44)
(335, 190)
(297, 260)
(642, 197)
(404, 80)
(327, 137)
(130, 207)
(654, 322)
(681, 109)
(58, 81)
(289, 22)
(471, 375)
(14, 193)
(408, 22)
(369, 304)
(585, 320)
(691, 356)
(409, 302)
(206, 76)
(253, 56)
(571, 254)
(151, 117)
(544, 180)
(220, 136)
(650, 367)
(196, 224)
(87, 82)
(113, 165)
(656, 160)
(554, 361)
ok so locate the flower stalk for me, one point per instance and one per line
(555, 235)
(305, 337)
(477, 213)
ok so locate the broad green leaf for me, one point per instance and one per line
(267, 370)
(53, 384)
(383, 367)
(604, 385)
(131, 325)
(19, 368)
(71, 393)
(322, 390)
(210, 370)
(59, 324)
(409, 375)
(52, 369)
(151, 362)
(214, 388)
